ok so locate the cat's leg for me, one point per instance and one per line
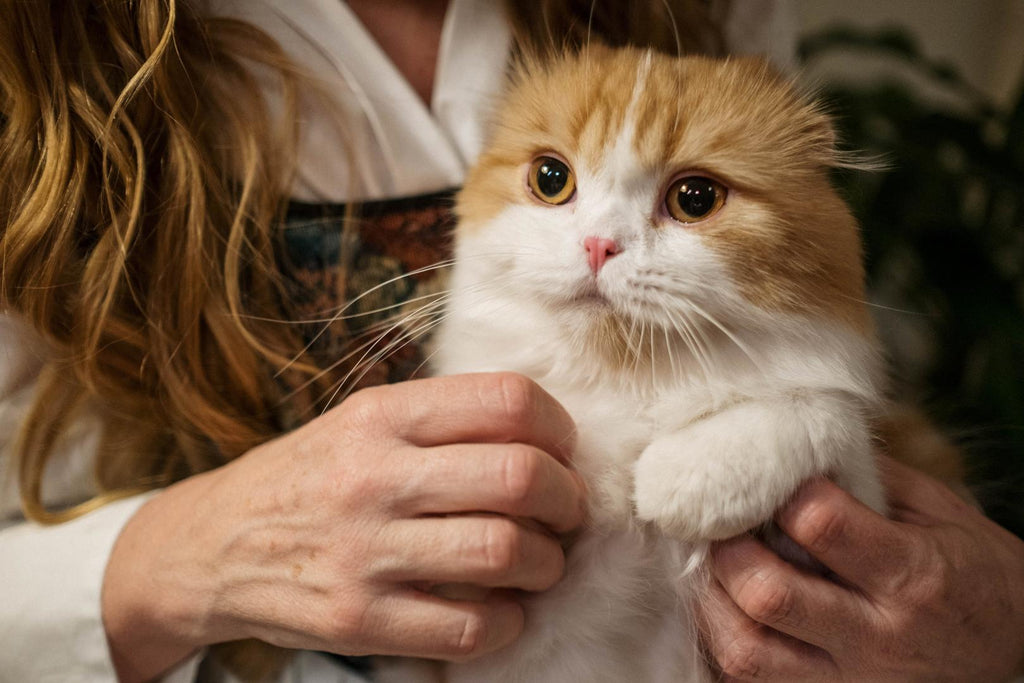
(728, 472)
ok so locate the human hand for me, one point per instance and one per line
(324, 538)
(934, 594)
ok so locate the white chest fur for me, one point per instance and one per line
(667, 474)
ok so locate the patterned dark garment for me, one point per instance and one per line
(349, 285)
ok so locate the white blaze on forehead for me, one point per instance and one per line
(615, 189)
(620, 154)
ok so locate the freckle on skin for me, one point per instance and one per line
(296, 571)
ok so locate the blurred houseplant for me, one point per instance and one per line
(944, 234)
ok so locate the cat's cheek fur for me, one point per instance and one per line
(731, 471)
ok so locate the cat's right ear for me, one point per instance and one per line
(809, 118)
(814, 118)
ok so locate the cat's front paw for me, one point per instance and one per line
(731, 471)
(727, 473)
(684, 484)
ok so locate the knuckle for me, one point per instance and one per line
(926, 580)
(519, 397)
(768, 601)
(366, 408)
(743, 658)
(522, 471)
(553, 569)
(472, 637)
(501, 546)
(921, 576)
(923, 592)
(351, 621)
(357, 489)
(361, 492)
(820, 528)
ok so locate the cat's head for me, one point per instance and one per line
(623, 190)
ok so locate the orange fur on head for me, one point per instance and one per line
(789, 240)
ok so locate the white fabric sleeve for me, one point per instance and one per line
(50, 581)
(51, 627)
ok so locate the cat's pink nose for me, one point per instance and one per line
(599, 250)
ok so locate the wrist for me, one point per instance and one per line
(157, 592)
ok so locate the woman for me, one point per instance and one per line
(147, 272)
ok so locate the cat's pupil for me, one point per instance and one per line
(552, 175)
(697, 196)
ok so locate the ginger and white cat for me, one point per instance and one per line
(656, 242)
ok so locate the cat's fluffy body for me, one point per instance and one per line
(710, 367)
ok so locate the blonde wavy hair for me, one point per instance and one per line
(143, 177)
(142, 180)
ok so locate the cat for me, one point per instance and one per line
(655, 241)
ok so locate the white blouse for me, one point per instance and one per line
(394, 145)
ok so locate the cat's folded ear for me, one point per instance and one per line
(812, 120)
(809, 123)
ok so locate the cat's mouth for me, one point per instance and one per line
(590, 299)
(588, 296)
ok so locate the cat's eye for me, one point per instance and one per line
(694, 198)
(551, 180)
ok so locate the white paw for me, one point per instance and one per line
(692, 484)
(729, 472)
(732, 470)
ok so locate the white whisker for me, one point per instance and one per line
(669, 351)
(410, 327)
(654, 366)
(363, 367)
(684, 327)
(364, 347)
(700, 339)
(732, 337)
(337, 316)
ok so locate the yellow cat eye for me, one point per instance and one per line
(551, 180)
(694, 198)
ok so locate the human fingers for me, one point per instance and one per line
(487, 551)
(856, 543)
(745, 650)
(412, 623)
(510, 479)
(776, 594)
(479, 408)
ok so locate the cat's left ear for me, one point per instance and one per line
(809, 120)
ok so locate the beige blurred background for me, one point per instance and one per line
(982, 39)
